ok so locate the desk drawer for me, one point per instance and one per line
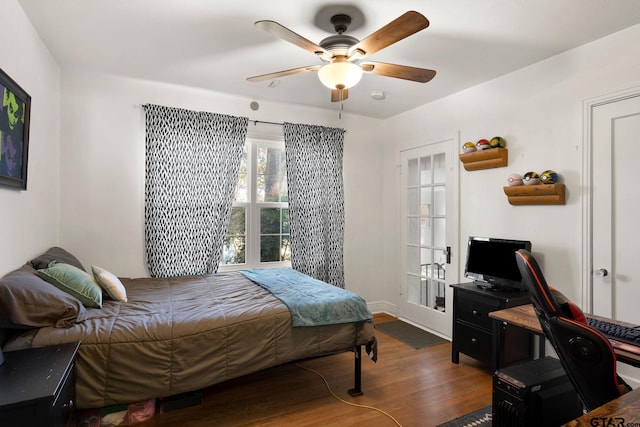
(473, 342)
(475, 309)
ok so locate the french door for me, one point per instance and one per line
(429, 230)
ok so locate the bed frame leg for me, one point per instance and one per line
(357, 372)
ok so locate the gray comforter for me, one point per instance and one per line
(182, 334)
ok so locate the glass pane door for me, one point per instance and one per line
(426, 220)
(427, 236)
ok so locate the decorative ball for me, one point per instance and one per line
(468, 147)
(549, 177)
(483, 144)
(514, 179)
(531, 178)
(497, 141)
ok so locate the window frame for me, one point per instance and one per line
(252, 207)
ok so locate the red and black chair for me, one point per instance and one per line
(586, 355)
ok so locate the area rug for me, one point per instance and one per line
(409, 334)
(479, 418)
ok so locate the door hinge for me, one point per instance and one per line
(447, 253)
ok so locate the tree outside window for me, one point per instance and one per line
(258, 231)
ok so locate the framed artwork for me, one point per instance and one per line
(15, 110)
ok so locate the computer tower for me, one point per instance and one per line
(535, 393)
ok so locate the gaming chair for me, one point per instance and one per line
(585, 354)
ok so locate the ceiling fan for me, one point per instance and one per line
(343, 53)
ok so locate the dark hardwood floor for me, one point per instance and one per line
(416, 387)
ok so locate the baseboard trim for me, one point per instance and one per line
(383, 307)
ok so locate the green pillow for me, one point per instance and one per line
(73, 281)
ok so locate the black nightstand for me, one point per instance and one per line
(37, 386)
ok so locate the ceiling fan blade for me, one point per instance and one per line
(284, 73)
(283, 32)
(403, 26)
(338, 95)
(421, 75)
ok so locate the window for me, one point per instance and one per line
(258, 231)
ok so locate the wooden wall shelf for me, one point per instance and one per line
(544, 194)
(485, 159)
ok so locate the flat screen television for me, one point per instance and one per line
(491, 262)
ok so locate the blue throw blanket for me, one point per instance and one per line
(310, 301)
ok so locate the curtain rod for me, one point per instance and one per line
(255, 122)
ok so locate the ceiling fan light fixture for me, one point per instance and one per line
(340, 74)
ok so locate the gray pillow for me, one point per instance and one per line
(27, 301)
(56, 254)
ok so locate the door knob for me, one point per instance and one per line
(602, 272)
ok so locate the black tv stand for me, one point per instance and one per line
(473, 329)
(496, 288)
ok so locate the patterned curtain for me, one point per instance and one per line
(192, 163)
(316, 200)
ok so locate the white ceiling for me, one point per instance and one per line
(214, 45)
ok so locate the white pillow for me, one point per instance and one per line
(110, 283)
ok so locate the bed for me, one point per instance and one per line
(170, 336)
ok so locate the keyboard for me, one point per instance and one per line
(623, 337)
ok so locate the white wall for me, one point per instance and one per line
(102, 170)
(538, 110)
(30, 218)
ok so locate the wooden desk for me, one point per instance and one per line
(623, 411)
(522, 317)
(525, 317)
